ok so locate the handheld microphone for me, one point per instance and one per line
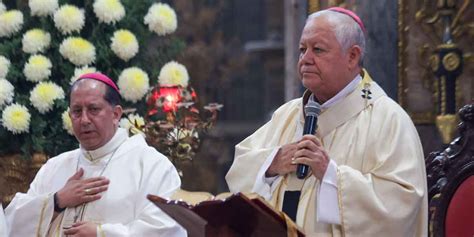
(311, 110)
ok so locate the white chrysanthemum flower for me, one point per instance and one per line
(6, 92)
(133, 83)
(44, 94)
(124, 44)
(78, 51)
(37, 68)
(4, 66)
(35, 40)
(161, 19)
(43, 7)
(67, 123)
(81, 71)
(2, 8)
(10, 22)
(132, 123)
(16, 118)
(109, 11)
(173, 73)
(69, 18)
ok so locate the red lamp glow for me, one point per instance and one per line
(171, 96)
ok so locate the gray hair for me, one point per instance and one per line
(346, 29)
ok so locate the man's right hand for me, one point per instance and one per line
(281, 164)
(76, 191)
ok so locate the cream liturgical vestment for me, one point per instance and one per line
(381, 181)
(3, 225)
(134, 170)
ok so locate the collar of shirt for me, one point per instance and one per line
(118, 138)
(341, 94)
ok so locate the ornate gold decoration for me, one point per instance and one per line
(443, 95)
(446, 125)
(18, 173)
(430, 16)
(37, 160)
(451, 61)
(423, 117)
(434, 62)
(14, 175)
(402, 45)
(313, 6)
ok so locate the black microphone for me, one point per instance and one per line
(311, 110)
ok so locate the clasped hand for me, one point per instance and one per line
(308, 151)
(81, 229)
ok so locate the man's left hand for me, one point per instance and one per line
(311, 152)
(82, 229)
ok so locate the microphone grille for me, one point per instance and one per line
(312, 108)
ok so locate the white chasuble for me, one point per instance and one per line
(3, 225)
(134, 170)
(381, 181)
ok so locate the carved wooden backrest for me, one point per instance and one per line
(451, 182)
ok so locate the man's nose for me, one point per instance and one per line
(85, 117)
(306, 57)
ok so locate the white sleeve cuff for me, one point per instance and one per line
(264, 185)
(327, 210)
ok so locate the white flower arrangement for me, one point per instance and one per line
(161, 19)
(173, 73)
(132, 123)
(80, 71)
(69, 19)
(35, 40)
(44, 94)
(43, 7)
(10, 22)
(78, 51)
(2, 8)
(124, 44)
(37, 68)
(4, 66)
(16, 118)
(6, 92)
(133, 83)
(50, 43)
(109, 11)
(67, 123)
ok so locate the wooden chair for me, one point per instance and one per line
(451, 183)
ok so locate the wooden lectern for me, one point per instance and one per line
(236, 216)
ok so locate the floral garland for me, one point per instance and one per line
(60, 42)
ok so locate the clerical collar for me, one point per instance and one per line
(341, 94)
(119, 137)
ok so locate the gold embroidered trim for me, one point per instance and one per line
(45, 202)
(339, 198)
(101, 232)
(58, 229)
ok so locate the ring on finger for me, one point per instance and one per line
(87, 190)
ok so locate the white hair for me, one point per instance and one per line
(346, 29)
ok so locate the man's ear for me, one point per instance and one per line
(117, 110)
(354, 53)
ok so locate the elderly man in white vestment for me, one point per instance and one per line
(99, 189)
(3, 225)
(365, 158)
